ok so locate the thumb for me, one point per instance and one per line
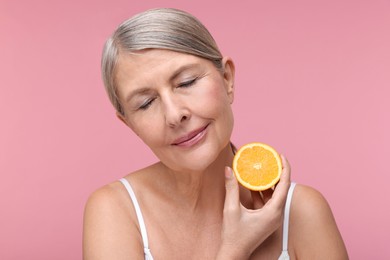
(232, 198)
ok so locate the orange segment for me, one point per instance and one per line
(257, 166)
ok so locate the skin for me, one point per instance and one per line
(192, 205)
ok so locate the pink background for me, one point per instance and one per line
(313, 80)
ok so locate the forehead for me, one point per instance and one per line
(146, 67)
(153, 60)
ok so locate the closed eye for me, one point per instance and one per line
(188, 83)
(147, 104)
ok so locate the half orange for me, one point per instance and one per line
(257, 166)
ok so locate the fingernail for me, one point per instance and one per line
(228, 172)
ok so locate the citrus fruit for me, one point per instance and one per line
(257, 166)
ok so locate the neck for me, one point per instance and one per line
(199, 190)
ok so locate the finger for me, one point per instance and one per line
(285, 165)
(267, 195)
(285, 169)
(257, 199)
(284, 182)
(232, 198)
(280, 193)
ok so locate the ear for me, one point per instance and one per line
(228, 76)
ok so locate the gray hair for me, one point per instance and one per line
(164, 28)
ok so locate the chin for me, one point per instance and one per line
(197, 160)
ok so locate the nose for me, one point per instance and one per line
(176, 112)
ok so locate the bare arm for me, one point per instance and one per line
(110, 232)
(314, 231)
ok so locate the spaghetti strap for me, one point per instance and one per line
(148, 255)
(285, 255)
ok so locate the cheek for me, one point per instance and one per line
(213, 100)
(221, 108)
(214, 103)
(146, 128)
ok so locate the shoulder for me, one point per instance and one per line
(105, 201)
(308, 201)
(314, 232)
(110, 226)
(114, 197)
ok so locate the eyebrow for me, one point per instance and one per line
(175, 74)
(138, 91)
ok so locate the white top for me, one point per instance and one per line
(148, 254)
(284, 255)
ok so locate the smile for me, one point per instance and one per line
(191, 138)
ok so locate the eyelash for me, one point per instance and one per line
(185, 84)
(147, 104)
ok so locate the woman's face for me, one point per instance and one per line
(178, 104)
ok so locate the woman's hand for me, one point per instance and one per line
(245, 229)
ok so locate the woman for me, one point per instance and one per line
(169, 83)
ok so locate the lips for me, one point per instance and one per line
(191, 138)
